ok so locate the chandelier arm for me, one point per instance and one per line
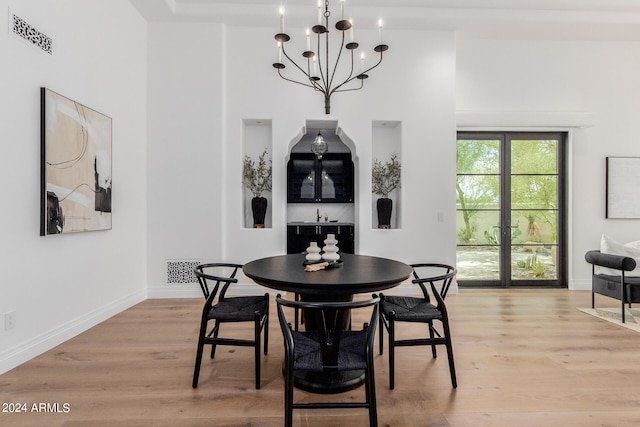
(349, 77)
(371, 68)
(294, 62)
(335, 67)
(351, 72)
(350, 89)
(313, 84)
(355, 77)
(295, 81)
(337, 88)
(326, 55)
(324, 89)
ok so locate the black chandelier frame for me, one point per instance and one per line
(324, 82)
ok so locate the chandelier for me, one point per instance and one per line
(317, 72)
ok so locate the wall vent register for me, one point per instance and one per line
(180, 272)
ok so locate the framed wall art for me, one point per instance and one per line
(623, 187)
(75, 166)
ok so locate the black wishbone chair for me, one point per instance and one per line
(420, 310)
(229, 310)
(328, 349)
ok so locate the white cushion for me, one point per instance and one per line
(611, 246)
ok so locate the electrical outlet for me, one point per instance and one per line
(9, 320)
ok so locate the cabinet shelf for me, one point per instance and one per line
(299, 236)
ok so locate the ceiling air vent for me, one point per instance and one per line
(23, 29)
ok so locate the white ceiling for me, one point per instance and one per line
(527, 19)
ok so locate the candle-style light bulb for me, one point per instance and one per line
(279, 53)
(342, 8)
(315, 66)
(362, 62)
(351, 31)
(308, 40)
(319, 12)
(282, 19)
(380, 30)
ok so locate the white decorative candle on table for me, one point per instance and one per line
(330, 249)
(313, 252)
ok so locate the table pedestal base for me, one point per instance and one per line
(328, 382)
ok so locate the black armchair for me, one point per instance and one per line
(328, 349)
(229, 310)
(621, 287)
(395, 309)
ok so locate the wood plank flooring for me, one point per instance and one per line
(523, 358)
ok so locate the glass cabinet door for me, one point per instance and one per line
(336, 180)
(302, 180)
(329, 180)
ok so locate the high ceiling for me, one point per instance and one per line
(527, 19)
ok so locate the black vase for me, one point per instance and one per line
(384, 212)
(259, 210)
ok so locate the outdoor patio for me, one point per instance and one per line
(483, 263)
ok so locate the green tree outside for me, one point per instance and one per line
(533, 184)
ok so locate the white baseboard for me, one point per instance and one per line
(193, 291)
(17, 355)
(580, 284)
(161, 292)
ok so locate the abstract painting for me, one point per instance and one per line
(623, 187)
(75, 166)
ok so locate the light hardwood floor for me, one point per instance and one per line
(523, 358)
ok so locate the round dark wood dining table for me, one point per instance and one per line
(356, 274)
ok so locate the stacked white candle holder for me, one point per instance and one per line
(313, 252)
(330, 249)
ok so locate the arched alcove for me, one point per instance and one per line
(321, 186)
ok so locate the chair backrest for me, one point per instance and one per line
(218, 272)
(435, 274)
(330, 317)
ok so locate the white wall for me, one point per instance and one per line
(196, 150)
(561, 85)
(60, 285)
(186, 149)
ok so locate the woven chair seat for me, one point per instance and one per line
(238, 309)
(308, 353)
(409, 309)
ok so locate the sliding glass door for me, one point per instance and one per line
(511, 214)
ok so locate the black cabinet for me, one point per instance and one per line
(299, 236)
(326, 180)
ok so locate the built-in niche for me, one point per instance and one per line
(325, 178)
(320, 190)
(386, 144)
(257, 141)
